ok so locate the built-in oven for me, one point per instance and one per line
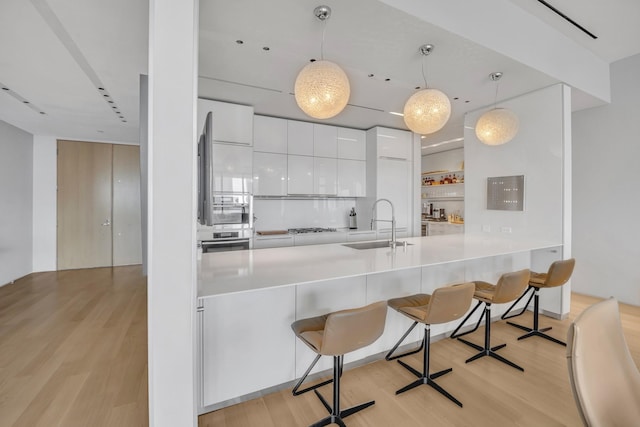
(232, 229)
(229, 209)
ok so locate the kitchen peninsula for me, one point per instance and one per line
(248, 299)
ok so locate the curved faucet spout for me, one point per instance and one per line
(392, 243)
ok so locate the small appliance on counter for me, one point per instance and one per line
(353, 223)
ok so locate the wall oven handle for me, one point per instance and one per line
(224, 241)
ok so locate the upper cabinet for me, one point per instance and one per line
(232, 168)
(352, 144)
(232, 123)
(269, 134)
(394, 143)
(299, 138)
(325, 141)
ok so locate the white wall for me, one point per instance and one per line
(536, 152)
(171, 251)
(44, 203)
(606, 152)
(16, 203)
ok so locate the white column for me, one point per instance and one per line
(171, 218)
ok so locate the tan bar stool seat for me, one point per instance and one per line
(336, 334)
(604, 378)
(559, 273)
(508, 288)
(444, 305)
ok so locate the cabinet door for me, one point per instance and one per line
(232, 168)
(269, 174)
(352, 144)
(300, 174)
(231, 122)
(273, 242)
(269, 134)
(393, 184)
(235, 351)
(394, 143)
(361, 236)
(325, 141)
(325, 176)
(319, 238)
(299, 138)
(352, 178)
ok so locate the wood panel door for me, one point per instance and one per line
(99, 219)
(127, 241)
(84, 205)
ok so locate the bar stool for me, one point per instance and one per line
(508, 288)
(559, 273)
(444, 305)
(336, 334)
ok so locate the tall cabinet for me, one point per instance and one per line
(391, 174)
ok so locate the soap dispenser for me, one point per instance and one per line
(353, 224)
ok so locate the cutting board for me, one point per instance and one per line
(271, 232)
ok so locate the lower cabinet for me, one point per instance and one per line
(318, 238)
(441, 228)
(246, 343)
(360, 236)
(277, 241)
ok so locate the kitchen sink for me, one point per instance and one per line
(372, 245)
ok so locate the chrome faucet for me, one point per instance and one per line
(392, 243)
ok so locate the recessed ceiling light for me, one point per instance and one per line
(456, 98)
(467, 101)
(312, 60)
(396, 114)
(266, 48)
(239, 41)
(387, 79)
(100, 131)
(25, 102)
(100, 88)
(42, 112)
(5, 88)
(417, 87)
(106, 95)
(370, 75)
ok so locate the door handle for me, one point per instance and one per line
(106, 223)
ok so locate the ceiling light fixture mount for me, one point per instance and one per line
(428, 110)
(322, 88)
(498, 125)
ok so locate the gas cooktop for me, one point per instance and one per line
(310, 230)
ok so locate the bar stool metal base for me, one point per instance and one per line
(487, 350)
(335, 414)
(535, 331)
(424, 377)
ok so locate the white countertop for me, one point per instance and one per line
(248, 270)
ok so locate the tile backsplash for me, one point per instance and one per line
(280, 214)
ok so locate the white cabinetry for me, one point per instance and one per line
(269, 174)
(393, 143)
(231, 122)
(235, 352)
(275, 241)
(324, 176)
(435, 228)
(391, 174)
(352, 178)
(325, 141)
(318, 238)
(270, 134)
(352, 144)
(360, 236)
(232, 168)
(300, 174)
(299, 138)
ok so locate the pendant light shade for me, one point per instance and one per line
(322, 89)
(497, 126)
(427, 111)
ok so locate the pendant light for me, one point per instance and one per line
(498, 125)
(428, 110)
(322, 88)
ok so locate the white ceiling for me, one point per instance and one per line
(56, 53)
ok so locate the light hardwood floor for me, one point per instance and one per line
(73, 352)
(73, 349)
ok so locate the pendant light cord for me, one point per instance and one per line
(324, 30)
(495, 99)
(424, 76)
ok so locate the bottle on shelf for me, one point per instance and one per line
(454, 180)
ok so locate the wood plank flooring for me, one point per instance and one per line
(73, 352)
(73, 349)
